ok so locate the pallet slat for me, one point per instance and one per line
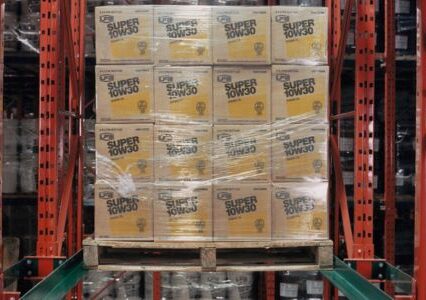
(115, 255)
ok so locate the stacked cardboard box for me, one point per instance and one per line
(199, 136)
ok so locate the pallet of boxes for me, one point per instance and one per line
(211, 138)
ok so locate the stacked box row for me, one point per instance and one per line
(203, 35)
(219, 95)
(201, 211)
(134, 153)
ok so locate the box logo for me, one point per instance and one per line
(282, 195)
(201, 108)
(282, 19)
(165, 79)
(317, 164)
(223, 19)
(317, 223)
(317, 106)
(259, 224)
(141, 224)
(142, 106)
(165, 20)
(167, 137)
(106, 19)
(106, 195)
(258, 48)
(224, 196)
(224, 78)
(106, 136)
(106, 77)
(259, 107)
(282, 77)
(200, 166)
(282, 136)
(164, 196)
(224, 137)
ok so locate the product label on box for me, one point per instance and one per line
(124, 93)
(241, 152)
(300, 151)
(242, 211)
(241, 35)
(183, 212)
(299, 33)
(182, 35)
(402, 7)
(401, 42)
(299, 210)
(242, 95)
(124, 34)
(289, 290)
(183, 94)
(314, 287)
(126, 215)
(299, 92)
(183, 152)
(124, 152)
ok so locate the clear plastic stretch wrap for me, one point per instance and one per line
(205, 35)
(204, 182)
(20, 156)
(202, 137)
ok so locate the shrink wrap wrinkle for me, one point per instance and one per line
(201, 134)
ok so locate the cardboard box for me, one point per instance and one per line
(183, 152)
(123, 215)
(124, 93)
(183, 95)
(299, 93)
(242, 152)
(242, 212)
(124, 152)
(182, 35)
(241, 35)
(300, 152)
(299, 210)
(124, 34)
(242, 95)
(183, 212)
(299, 34)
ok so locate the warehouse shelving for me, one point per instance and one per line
(59, 197)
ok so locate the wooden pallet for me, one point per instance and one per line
(282, 255)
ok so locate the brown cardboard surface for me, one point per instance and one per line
(182, 35)
(299, 34)
(183, 95)
(242, 152)
(183, 152)
(124, 93)
(300, 93)
(183, 212)
(124, 152)
(242, 95)
(299, 152)
(299, 210)
(124, 34)
(241, 35)
(128, 215)
(242, 211)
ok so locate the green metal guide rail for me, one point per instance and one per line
(342, 276)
